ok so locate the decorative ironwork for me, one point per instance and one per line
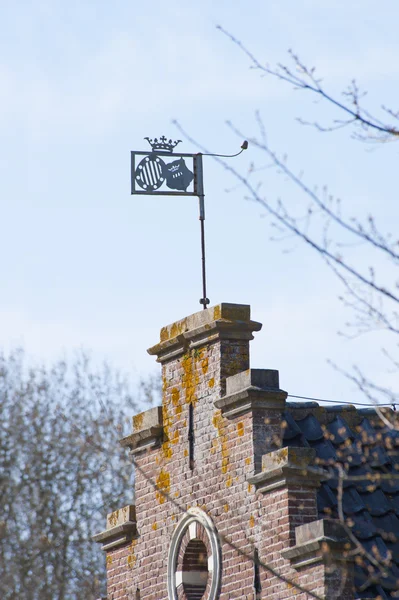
(150, 173)
(154, 174)
(178, 176)
(162, 144)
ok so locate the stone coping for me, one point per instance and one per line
(286, 467)
(223, 321)
(116, 536)
(232, 312)
(143, 440)
(147, 419)
(121, 528)
(121, 515)
(253, 389)
(320, 541)
(263, 379)
(147, 431)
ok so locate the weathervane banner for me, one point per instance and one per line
(160, 172)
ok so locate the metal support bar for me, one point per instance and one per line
(199, 186)
(191, 435)
(204, 300)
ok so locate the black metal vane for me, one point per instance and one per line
(154, 174)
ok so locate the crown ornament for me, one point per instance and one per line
(162, 144)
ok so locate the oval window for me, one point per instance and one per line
(194, 566)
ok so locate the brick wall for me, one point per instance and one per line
(197, 355)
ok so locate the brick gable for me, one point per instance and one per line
(216, 447)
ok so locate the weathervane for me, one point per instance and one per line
(155, 175)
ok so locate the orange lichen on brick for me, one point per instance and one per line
(215, 419)
(166, 420)
(226, 508)
(248, 460)
(131, 558)
(175, 395)
(229, 482)
(175, 437)
(204, 365)
(249, 488)
(219, 424)
(211, 382)
(240, 428)
(191, 377)
(188, 379)
(251, 521)
(154, 526)
(108, 560)
(185, 453)
(163, 486)
(214, 445)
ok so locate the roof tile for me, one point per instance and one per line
(367, 451)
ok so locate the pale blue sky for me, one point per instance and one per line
(86, 264)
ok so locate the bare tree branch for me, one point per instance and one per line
(303, 78)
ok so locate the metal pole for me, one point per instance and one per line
(204, 300)
(199, 187)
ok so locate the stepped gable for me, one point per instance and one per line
(239, 493)
(367, 449)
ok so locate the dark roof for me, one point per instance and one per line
(367, 447)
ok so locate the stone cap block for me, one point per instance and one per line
(223, 321)
(121, 528)
(143, 440)
(122, 515)
(288, 466)
(263, 379)
(299, 458)
(147, 419)
(252, 390)
(231, 312)
(321, 529)
(147, 431)
(323, 541)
